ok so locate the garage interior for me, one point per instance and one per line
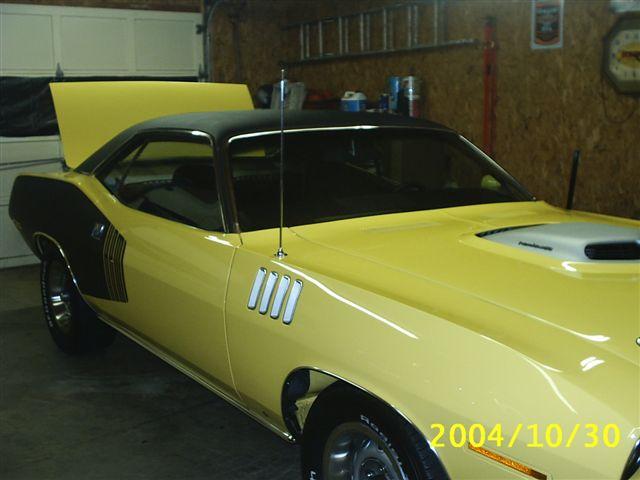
(124, 413)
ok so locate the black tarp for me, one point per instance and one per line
(26, 106)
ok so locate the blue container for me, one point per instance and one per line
(353, 102)
(395, 84)
(383, 104)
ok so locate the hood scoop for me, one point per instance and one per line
(578, 242)
(613, 251)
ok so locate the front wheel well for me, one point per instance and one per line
(303, 387)
(299, 392)
(342, 405)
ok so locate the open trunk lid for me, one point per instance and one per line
(92, 113)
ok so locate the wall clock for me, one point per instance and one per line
(621, 59)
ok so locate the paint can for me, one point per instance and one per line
(383, 104)
(411, 92)
(353, 102)
(395, 83)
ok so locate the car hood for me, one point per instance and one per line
(484, 308)
(527, 258)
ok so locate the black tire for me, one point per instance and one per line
(340, 408)
(74, 326)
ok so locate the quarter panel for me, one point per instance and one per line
(57, 207)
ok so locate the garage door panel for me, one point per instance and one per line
(95, 44)
(34, 35)
(17, 151)
(13, 149)
(13, 153)
(35, 39)
(164, 45)
(11, 243)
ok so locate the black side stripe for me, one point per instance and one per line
(106, 264)
(112, 259)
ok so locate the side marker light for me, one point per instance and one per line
(509, 463)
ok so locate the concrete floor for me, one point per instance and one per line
(117, 414)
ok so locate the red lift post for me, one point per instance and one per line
(490, 86)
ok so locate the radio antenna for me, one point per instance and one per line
(283, 83)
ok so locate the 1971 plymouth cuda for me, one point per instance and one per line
(431, 319)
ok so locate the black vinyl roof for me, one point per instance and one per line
(224, 125)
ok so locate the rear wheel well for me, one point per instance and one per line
(45, 246)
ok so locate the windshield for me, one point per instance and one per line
(340, 174)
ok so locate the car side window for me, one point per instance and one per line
(171, 179)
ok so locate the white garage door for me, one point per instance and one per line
(38, 41)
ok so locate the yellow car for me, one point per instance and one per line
(427, 319)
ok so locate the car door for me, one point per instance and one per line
(170, 236)
(263, 293)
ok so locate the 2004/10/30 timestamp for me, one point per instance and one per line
(554, 435)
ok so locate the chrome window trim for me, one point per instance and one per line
(178, 134)
(283, 286)
(328, 129)
(255, 289)
(296, 130)
(133, 139)
(268, 292)
(495, 164)
(292, 302)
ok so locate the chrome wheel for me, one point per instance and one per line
(355, 452)
(60, 287)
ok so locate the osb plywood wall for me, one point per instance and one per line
(251, 53)
(549, 102)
